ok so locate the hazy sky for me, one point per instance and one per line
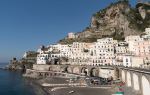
(27, 24)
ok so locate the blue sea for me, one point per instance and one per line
(12, 83)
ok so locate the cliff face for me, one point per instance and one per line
(121, 19)
(117, 20)
(25, 63)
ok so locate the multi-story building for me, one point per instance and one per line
(102, 52)
(46, 54)
(80, 53)
(60, 50)
(105, 51)
(133, 38)
(142, 48)
(43, 58)
(120, 50)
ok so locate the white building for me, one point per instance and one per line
(43, 58)
(46, 54)
(133, 61)
(139, 48)
(147, 31)
(121, 49)
(59, 50)
(133, 38)
(127, 61)
(65, 51)
(71, 35)
(53, 52)
(80, 53)
(147, 34)
(102, 52)
(105, 51)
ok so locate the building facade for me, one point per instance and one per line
(102, 52)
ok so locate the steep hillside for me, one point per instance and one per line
(117, 20)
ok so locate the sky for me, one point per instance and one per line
(27, 24)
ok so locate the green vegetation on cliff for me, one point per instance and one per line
(118, 20)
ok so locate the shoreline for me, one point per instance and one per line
(35, 85)
(38, 89)
(66, 89)
(62, 86)
(54, 89)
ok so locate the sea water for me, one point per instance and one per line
(12, 83)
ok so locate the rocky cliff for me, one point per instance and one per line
(24, 63)
(117, 20)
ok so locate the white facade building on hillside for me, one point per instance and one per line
(142, 48)
(50, 52)
(133, 61)
(60, 50)
(54, 47)
(133, 38)
(102, 52)
(147, 34)
(43, 58)
(121, 49)
(55, 51)
(65, 51)
(105, 51)
(147, 31)
(127, 60)
(80, 53)
(71, 35)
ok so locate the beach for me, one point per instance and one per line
(62, 86)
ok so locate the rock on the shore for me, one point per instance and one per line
(19, 64)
